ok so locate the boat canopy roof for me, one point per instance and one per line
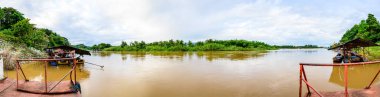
(355, 43)
(77, 51)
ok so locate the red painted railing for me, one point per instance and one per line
(73, 70)
(303, 77)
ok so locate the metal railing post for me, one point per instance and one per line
(300, 88)
(19, 66)
(17, 74)
(346, 79)
(304, 76)
(369, 86)
(46, 76)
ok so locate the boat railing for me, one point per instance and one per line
(46, 60)
(303, 77)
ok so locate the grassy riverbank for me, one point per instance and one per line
(374, 53)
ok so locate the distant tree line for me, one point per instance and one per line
(180, 45)
(17, 29)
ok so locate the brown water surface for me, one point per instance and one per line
(206, 74)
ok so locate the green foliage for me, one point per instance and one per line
(82, 46)
(374, 53)
(100, 46)
(24, 33)
(9, 16)
(179, 45)
(367, 29)
(123, 44)
(54, 38)
(17, 30)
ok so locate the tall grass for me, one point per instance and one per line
(11, 52)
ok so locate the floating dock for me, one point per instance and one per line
(372, 92)
(8, 88)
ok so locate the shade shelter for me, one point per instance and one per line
(345, 51)
(355, 43)
(69, 48)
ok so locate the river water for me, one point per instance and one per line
(205, 74)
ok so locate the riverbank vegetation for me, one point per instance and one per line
(368, 29)
(21, 39)
(180, 45)
(18, 30)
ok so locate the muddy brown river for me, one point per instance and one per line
(205, 74)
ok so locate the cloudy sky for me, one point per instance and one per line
(279, 22)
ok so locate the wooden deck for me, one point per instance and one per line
(374, 91)
(8, 89)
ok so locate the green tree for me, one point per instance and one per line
(55, 39)
(373, 28)
(123, 44)
(27, 34)
(101, 46)
(82, 46)
(38, 39)
(190, 44)
(367, 29)
(18, 30)
(9, 16)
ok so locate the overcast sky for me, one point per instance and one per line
(295, 22)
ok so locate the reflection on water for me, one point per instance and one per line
(205, 74)
(209, 55)
(358, 76)
(35, 72)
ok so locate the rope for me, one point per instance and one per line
(95, 64)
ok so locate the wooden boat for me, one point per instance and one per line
(346, 53)
(66, 52)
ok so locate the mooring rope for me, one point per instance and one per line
(95, 64)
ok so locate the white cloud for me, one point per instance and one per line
(275, 22)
